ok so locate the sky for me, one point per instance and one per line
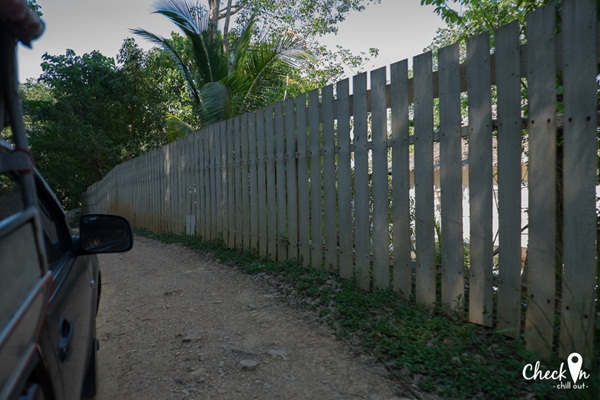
(400, 29)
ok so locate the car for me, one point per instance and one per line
(50, 280)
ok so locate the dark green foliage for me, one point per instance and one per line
(86, 114)
(224, 83)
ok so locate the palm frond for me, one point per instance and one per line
(216, 104)
(176, 128)
(242, 44)
(166, 45)
(262, 60)
(186, 16)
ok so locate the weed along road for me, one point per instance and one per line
(175, 324)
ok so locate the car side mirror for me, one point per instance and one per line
(102, 233)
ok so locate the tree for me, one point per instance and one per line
(476, 16)
(35, 7)
(223, 85)
(152, 89)
(307, 18)
(86, 114)
(466, 18)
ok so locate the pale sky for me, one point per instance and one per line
(400, 29)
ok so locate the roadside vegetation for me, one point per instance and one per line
(424, 349)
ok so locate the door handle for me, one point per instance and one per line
(66, 336)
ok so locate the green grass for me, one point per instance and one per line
(437, 353)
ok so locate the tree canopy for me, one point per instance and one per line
(85, 114)
(226, 80)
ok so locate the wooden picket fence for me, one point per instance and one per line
(325, 179)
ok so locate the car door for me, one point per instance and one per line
(69, 325)
(24, 286)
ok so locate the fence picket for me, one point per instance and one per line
(480, 179)
(245, 182)
(580, 167)
(292, 179)
(198, 180)
(508, 80)
(233, 125)
(424, 216)
(207, 210)
(253, 172)
(362, 230)
(216, 181)
(261, 162)
(453, 260)
(329, 181)
(346, 237)
(221, 182)
(316, 201)
(281, 237)
(402, 241)
(381, 236)
(303, 203)
(238, 172)
(271, 185)
(541, 274)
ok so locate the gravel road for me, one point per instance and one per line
(174, 324)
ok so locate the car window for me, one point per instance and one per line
(19, 264)
(55, 237)
(11, 199)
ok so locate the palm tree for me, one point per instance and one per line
(224, 84)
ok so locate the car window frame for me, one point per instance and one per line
(51, 211)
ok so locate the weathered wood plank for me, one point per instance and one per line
(425, 286)
(346, 269)
(509, 178)
(402, 265)
(167, 216)
(253, 172)
(187, 170)
(221, 142)
(329, 180)
(271, 185)
(238, 240)
(245, 182)
(232, 169)
(541, 274)
(381, 237)
(362, 230)
(199, 182)
(303, 193)
(282, 236)
(292, 179)
(453, 278)
(480, 179)
(207, 210)
(316, 201)
(212, 200)
(261, 163)
(579, 179)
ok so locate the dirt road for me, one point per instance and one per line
(177, 325)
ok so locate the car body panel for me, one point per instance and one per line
(56, 328)
(24, 293)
